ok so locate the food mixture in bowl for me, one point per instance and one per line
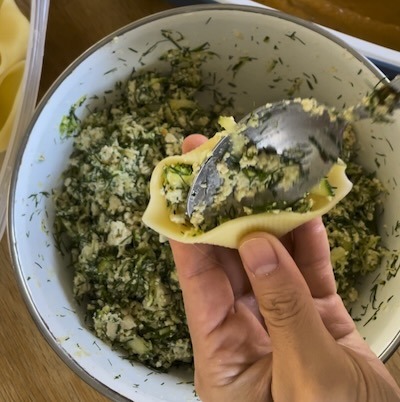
(123, 272)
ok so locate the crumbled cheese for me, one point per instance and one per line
(119, 234)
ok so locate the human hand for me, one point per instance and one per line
(267, 324)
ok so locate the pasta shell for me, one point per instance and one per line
(10, 83)
(231, 232)
(14, 34)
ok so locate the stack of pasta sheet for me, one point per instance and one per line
(14, 36)
(22, 34)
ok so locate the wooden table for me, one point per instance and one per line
(30, 369)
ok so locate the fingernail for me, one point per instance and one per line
(258, 256)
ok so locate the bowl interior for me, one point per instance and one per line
(262, 56)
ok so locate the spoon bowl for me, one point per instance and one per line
(311, 139)
(300, 130)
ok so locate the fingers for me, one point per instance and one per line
(192, 142)
(232, 265)
(334, 315)
(206, 289)
(295, 327)
(210, 277)
(312, 255)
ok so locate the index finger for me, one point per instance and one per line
(206, 289)
(312, 256)
(193, 141)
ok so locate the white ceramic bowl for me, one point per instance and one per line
(335, 75)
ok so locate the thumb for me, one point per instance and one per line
(294, 325)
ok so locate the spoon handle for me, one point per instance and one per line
(380, 103)
(388, 95)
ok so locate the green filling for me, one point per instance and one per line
(123, 274)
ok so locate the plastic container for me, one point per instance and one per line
(37, 12)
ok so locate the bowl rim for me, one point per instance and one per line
(13, 247)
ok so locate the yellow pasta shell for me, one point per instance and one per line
(14, 35)
(230, 233)
(10, 83)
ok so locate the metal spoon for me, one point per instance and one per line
(289, 129)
